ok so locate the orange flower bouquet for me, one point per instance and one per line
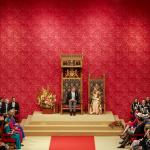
(46, 99)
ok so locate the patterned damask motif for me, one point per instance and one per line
(113, 37)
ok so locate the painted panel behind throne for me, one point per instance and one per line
(67, 84)
(96, 96)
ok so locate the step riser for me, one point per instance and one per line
(70, 123)
(64, 125)
(68, 128)
(72, 134)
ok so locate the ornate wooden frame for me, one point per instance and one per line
(89, 92)
(75, 62)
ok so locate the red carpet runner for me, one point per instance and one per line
(72, 143)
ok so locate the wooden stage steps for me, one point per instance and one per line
(40, 124)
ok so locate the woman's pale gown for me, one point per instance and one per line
(95, 105)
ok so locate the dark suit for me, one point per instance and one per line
(139, 130)
(69, 96)
(15, 106)
(72, 104)
(1, 107)
(144, 109)
(135, 106)
(5, 108)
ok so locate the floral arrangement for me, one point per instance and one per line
(46, 99)
(116, 124)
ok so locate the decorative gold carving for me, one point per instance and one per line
(71, 76)
(71, 61)
(71, 73)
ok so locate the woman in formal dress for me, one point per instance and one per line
(13, 134)
(13, 125)
(96, 107)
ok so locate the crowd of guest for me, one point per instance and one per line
(137, 130)
(9, 114)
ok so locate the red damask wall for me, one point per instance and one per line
(112, 35)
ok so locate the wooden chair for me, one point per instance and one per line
(100, 82)
(71, 75)
(6, 138)
(1, 125)
(66, 107)
(67, 85)
(135, 137)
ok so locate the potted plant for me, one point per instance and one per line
(46, 100)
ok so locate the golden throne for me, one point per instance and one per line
(71, 76)
(100, 83)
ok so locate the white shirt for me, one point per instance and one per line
(73, 95)
(6, 108)
(13, 104)
(0, 104)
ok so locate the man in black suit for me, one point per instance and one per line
(5, 107)
(72, 100)
(1, 104)
(14, 105)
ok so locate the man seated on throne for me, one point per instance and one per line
(72, 100)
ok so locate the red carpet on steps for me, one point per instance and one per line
(72, 143)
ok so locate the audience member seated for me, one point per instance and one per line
(130, 124)
(141, 143)
(140, 122)
(144, 107)
(137, 130)
(13, 125)
(13, 134)
(148, 103)
(135, 106)
(9, 111)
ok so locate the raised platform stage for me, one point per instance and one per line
(40, 124)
